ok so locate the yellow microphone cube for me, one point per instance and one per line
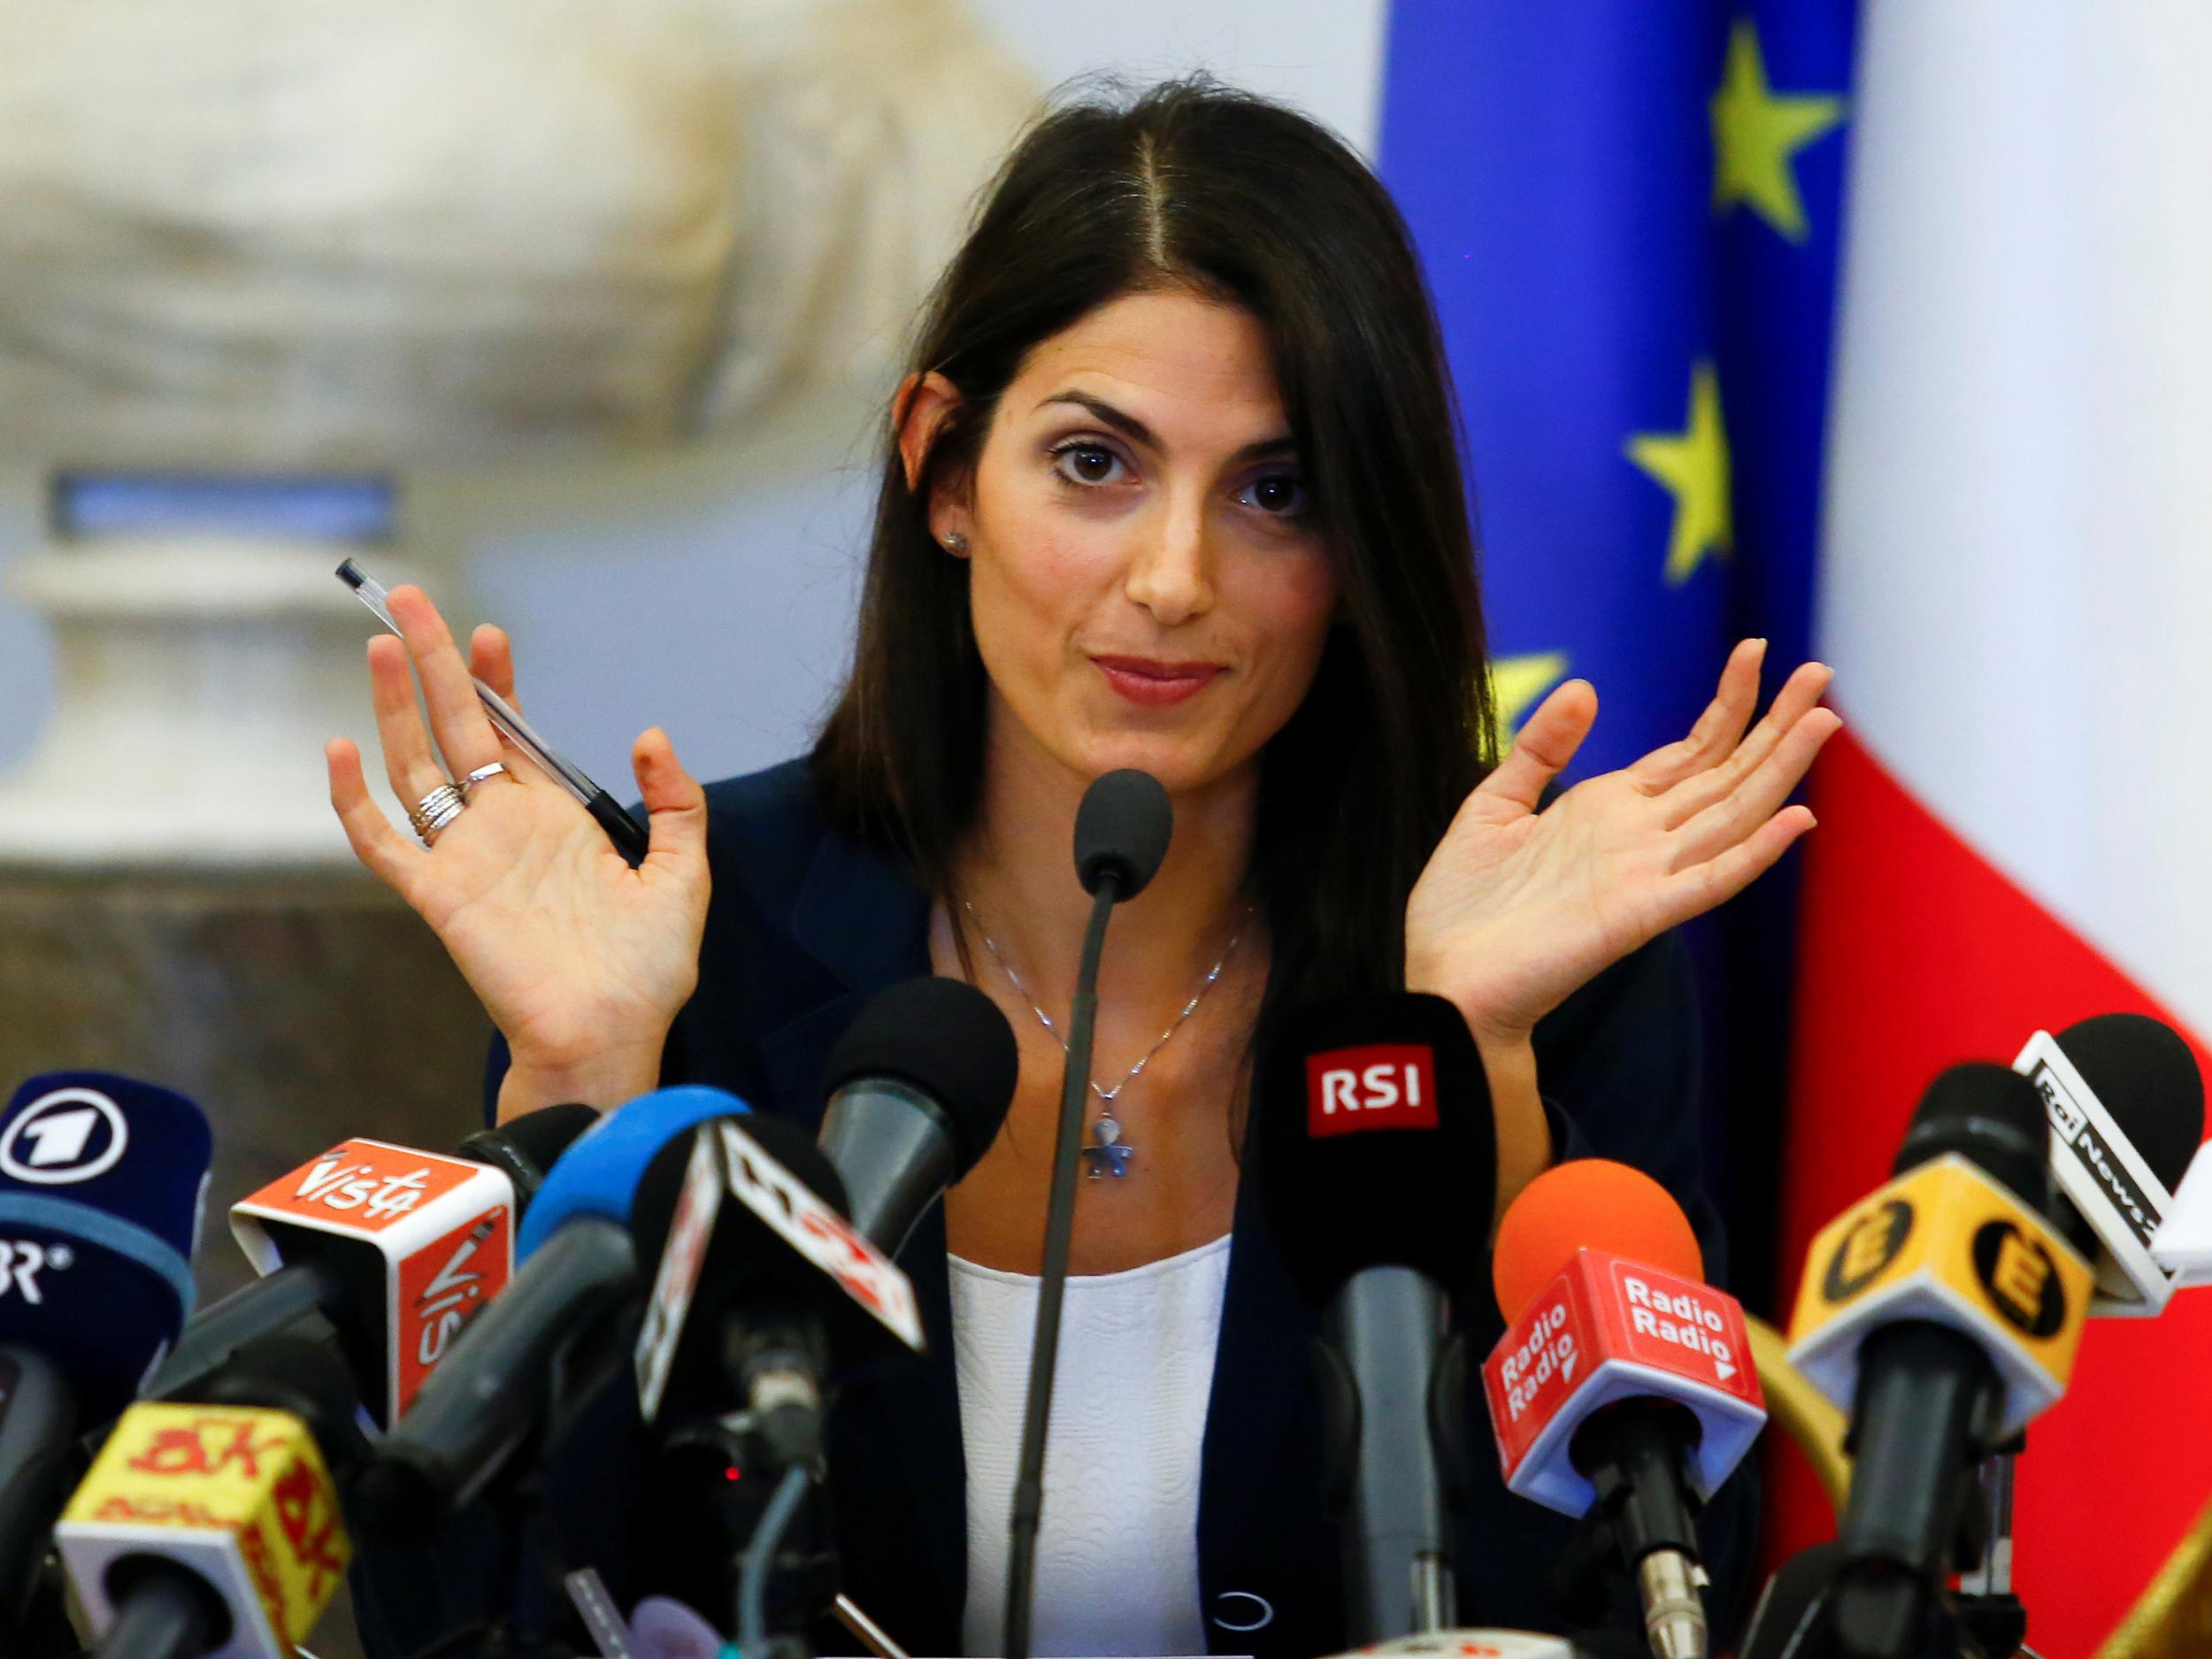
(238, 1495)
(1944, 1243)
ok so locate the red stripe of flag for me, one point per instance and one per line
(1916, 953)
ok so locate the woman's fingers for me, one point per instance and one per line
(677, 832)
(1701, 887)
(1759, 796)
(1546, 743)
(410, 766)
(378, 847)
(464, 735)
(492, 660)
(1719, 729)
(1801, 694)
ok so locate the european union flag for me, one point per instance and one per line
(1629, 212)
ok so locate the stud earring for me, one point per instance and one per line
(956, 544)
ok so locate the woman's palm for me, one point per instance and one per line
(572, 951)
(1518, 907)
(559, 938)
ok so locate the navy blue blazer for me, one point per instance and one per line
(807, 924)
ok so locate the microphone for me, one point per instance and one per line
(764, 1293)
(1944, 1312)
(2183, 1244)
(1376, 1160)
(1122, 829)
(598, 1175)
(38, 1460)
(214, 1527)
(919, 1086)
(757, 1292)
(101, 1180)
(396, 1246)
(578, 1268)
(100, 1183)
(525, 1147)
(2126, 1110)
(398, 1249)
(1623, 1387)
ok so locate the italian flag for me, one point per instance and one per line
(2016, 823)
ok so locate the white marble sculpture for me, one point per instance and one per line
(335, 235)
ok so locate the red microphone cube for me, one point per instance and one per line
(1611, 1329)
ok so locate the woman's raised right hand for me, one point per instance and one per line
(581, 961)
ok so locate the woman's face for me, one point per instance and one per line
(1149, 586)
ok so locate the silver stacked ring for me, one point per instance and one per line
(434, 811)
(497, 769)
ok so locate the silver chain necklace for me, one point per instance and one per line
(1109, 1153)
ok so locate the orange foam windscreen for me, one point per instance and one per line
(1588, 1204)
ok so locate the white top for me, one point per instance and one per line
(1118, 1544)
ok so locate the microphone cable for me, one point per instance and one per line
(759, 1560)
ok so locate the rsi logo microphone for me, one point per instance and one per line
(72, 1134)
(1377, 1086)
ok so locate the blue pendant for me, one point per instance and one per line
(1106, 1154)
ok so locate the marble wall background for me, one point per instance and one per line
(711, 591)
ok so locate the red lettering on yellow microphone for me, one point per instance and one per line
(158, 1511)
(307, 1514)
(254, 1547)
(207, 1445)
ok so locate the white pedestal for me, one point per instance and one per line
(196, 680)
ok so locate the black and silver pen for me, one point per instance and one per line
(627, 834)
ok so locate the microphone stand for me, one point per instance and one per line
(1984, 1621)
(1989, 1614)
(1122, 828)
(1075, 1086)
(41, 1461)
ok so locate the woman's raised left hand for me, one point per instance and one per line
(1517, 909)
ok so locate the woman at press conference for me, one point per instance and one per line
(1173, 483)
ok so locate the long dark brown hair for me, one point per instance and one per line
(1195, 186)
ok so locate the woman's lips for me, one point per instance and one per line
(1154, 684)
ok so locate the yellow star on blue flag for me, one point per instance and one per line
(1518, 684)
(1629, 215)
(1693, 464)
(1757, 132)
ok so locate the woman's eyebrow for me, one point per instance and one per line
(1137, 432)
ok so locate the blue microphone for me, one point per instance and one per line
(598, 1175)
(102, 1180)
(578, 1269)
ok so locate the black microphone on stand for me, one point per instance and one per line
(1376, 1153)
(1121, 836)
(919, 1086)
